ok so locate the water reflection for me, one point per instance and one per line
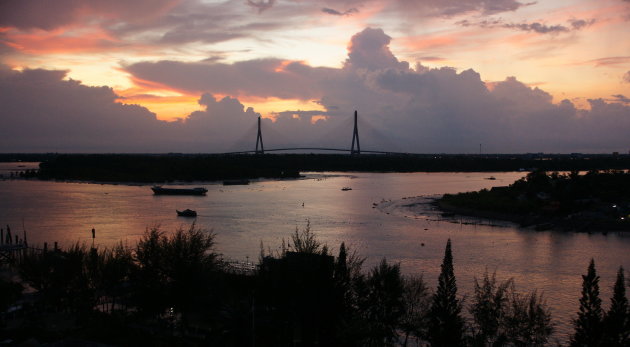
(267, 211)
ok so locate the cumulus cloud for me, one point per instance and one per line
(422, 110)
(369, 49)
(43, 112)
(427, 110)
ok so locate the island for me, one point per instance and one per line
(592, 201)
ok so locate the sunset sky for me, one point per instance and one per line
(425, 75)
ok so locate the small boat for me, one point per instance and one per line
(159, 190)
(186, 213)
(235, 182)
(346, 188)
(492, 178)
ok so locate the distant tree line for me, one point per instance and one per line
(591, 201)
(174, 289)
(183, 167)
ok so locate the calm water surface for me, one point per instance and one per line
(268, 211)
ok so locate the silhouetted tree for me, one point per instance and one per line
(297, 294)
(588, 325)
(383, 306)
(150, 278)
(417, 302)
(305, 242)
(617, 319)
(488, 309)
(446, 326)
(118, 266)
(173, 272)
(527, 321)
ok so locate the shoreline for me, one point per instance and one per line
(532, 222)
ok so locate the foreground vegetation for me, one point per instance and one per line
(176, 290)
(597, 200)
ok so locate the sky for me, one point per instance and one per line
(426, 76)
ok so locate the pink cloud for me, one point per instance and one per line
(50, 15)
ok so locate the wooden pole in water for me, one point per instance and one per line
(24, 232)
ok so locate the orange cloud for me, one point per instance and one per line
(428, 42)
(62, 42)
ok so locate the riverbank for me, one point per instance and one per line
(596, 201)
(210, 167)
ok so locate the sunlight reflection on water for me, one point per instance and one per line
(267, 211)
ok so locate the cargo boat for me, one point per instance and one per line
(235, 182)
(159, 190)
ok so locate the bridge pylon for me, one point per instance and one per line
(259, 140)
(355, 137)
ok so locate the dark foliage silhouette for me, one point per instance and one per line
(446, 325)
(588, 324)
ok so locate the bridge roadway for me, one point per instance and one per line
(314, 149)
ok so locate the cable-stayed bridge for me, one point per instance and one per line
(355, 148)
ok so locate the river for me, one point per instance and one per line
(372, 219)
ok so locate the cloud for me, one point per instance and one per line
(369, 49)
(620, 98)
(42, 112)
(417, 110)
(422, 110)
(537, 27)
(261, 5)
(262, 78)
(626, 76)
(581, 23)
(610, 61)
(333, 12)
(450, 8)
(49, 15)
